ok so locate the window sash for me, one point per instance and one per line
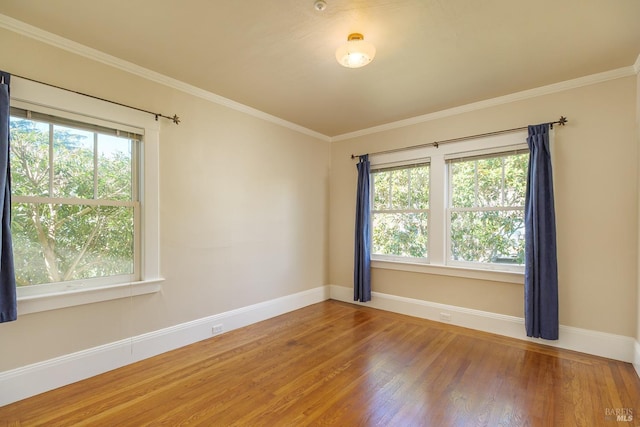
(402, 245)
(409, 210)
(393, 168)
(135, 140)
(473, 158)
(84, 255)
(457, 158)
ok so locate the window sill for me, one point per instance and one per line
(54, 301)
(446, 270)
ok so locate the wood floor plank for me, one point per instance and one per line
(339, 364)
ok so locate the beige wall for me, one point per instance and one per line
(243, 211)
(595, 171)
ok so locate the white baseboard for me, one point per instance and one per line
(612, 346)
(26, 381)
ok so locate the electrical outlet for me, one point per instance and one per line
(445, 317)
(217, 329)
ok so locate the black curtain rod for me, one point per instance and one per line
(175, 119)
(561, 122)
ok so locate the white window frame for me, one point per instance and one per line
(438, 199)
(34, 96)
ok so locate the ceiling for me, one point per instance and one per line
(279, 56)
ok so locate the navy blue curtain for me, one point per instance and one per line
(541, 266)
(8, 303)
(362, 261)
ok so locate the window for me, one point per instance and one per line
(400, 211)
(454, 210)
(74, 200)
(486, 209)
(85, 198)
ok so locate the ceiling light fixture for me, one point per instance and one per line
(356, 52)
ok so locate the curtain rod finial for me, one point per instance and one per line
(176, 119)
(563, 121)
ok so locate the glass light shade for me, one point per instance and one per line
(356, 52)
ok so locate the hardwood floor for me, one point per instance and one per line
(339, 364)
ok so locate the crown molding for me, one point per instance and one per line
(43, 36)
(501, 100)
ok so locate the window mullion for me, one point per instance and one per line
(389, 196)
(438, 210)
(392, 211)
(409, 202)
(488, 209)
(475, 170)
(135, 170)
(502, 187)
(51, 163)
(95, 165)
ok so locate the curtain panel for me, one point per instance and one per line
(541, 271)
(8, 302)
(362, 256)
